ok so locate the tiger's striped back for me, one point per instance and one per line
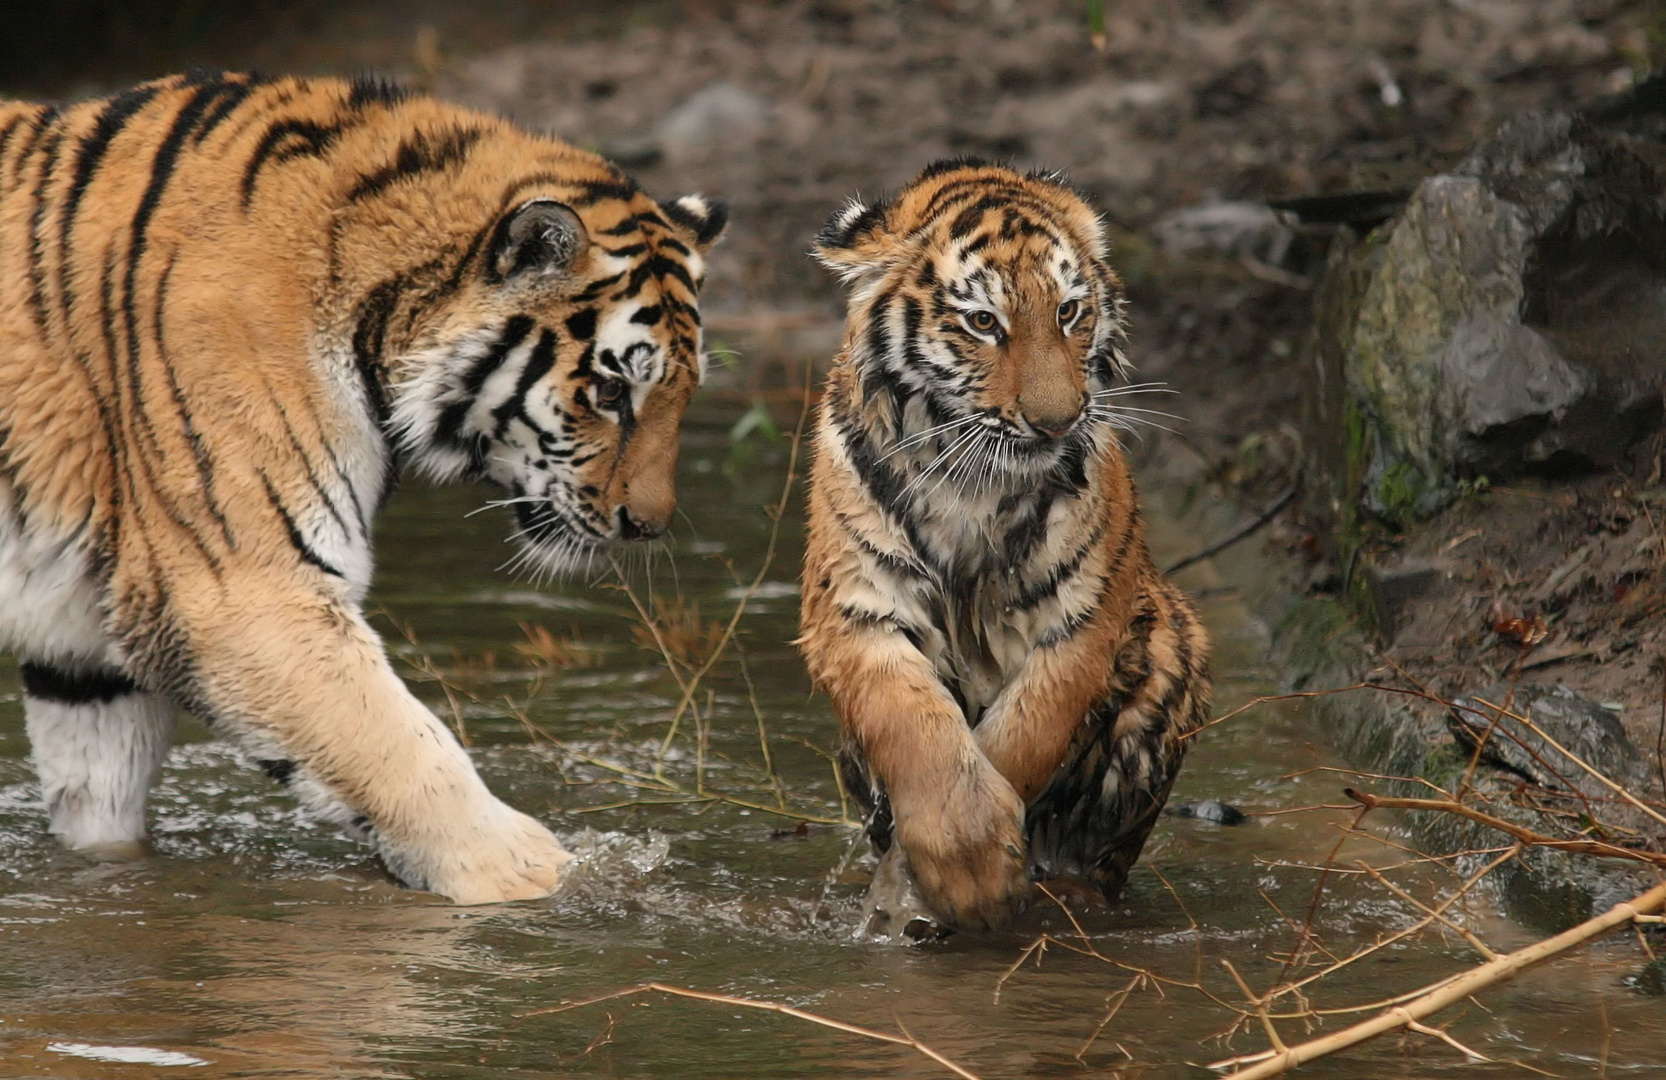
(20, 125)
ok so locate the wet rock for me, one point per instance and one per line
(1578, 725)
(1513, 317)
(721, 117)
(1317, 644)
(1211, 810)
(1651, 978)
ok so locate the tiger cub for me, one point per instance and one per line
(1013, 677)
(231, 308)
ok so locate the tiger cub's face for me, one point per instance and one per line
(989, 314)
(565, 374)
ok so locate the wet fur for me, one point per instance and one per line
(231, 308)
(1013, 677)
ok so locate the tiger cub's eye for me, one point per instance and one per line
(982, 321)
(610, 392)
(1068, 312)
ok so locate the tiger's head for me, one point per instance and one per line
(564, 367)
(982, 307)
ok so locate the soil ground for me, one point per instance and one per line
(1151, 107)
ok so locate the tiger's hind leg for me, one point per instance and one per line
(98, 742)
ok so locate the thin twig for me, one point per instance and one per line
(1596, 774)
(1241, 533)
(1525, 835)
(757, 580)
(766, 1006)
(1114, 1005)
(1474, 942)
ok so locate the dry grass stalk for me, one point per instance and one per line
(776, 513)
(543, 648)
(1448, 992)
(763, 736)
(904, 1039)
(672, 626)
(457, 693)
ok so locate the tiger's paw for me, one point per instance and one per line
(515, 859)
(967, 851)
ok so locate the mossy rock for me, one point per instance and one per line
(1512, 317)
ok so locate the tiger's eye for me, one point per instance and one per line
(1068, 312)
(610, 393)
(983, 322)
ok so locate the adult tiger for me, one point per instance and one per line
(1013, 677)
(230, 308)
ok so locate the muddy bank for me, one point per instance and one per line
(1483, 452)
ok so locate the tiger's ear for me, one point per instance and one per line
(704, 218)
(536, 239)
(856, 241)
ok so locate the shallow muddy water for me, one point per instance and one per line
(255, 942)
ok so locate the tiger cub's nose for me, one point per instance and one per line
(1057, 421)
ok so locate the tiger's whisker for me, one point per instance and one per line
(492, 504)
(927, 471)
(1136, 388)
(919, 437)
(1132, 409)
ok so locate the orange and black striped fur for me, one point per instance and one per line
(230, 309)
(1013, 677)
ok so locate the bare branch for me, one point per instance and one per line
(904, 1039)
(1446, 993)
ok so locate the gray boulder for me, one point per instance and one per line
(1560, 721)
(1512, 317)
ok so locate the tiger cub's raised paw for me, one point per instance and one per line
(967, 851)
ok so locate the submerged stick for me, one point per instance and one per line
(904, 1039)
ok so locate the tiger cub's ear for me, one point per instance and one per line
(704, 218)
(856, 241)
(536, 239)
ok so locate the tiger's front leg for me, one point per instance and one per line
(1092, 731)
(959, 822)
(301, 678)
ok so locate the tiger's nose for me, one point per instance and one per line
(1055, 423)
(632, 527)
